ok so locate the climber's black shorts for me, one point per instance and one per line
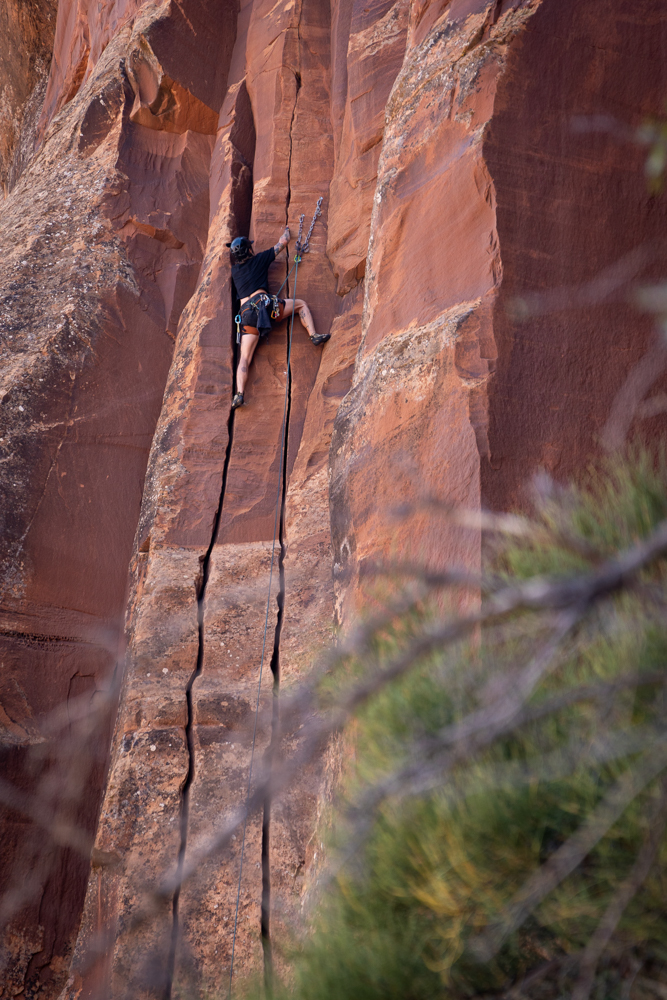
(255, 312)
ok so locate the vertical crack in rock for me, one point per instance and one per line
(275, 715)
(297, 78)
(189, 738)
(280, 600)
(240, 206)
(288, 197)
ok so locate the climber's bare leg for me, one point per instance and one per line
(249, 342)
(299, 306)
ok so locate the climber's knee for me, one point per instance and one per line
(248, 344)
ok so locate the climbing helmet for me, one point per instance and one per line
(240, 249)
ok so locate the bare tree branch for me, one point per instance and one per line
(568, 857)
(570, 597)
(476, 520)
(426, 776)
(631, 394)
(62, 833)
(534, 594)
(622, 897)
(610, 285)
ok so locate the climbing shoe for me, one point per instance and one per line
(320, 338)
(237, 400)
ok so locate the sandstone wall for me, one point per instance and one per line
(581, 215)
(26, 45)
(103, 237)
(439, 135)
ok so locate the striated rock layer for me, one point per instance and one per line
(440, 136)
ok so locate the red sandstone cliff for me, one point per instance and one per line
(439, 135)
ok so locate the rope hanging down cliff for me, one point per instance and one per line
(302, 247)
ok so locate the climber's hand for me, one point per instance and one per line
(283, 241)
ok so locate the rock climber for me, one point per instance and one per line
(250, 274)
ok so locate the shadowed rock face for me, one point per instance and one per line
(26, 43)
(103, 236)
(576, 216)
(439, 136)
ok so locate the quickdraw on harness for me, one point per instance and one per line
(302, 247)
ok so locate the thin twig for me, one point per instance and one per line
(568, 857)
(534, 594)
(620, 900)
(62, 762)
(61, 833)
(610, 285)
(640, 379)
(459, 741)
(419, 778)
(462, 517)
(431, 578)
(537, 594)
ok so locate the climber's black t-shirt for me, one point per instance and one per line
(253, 273)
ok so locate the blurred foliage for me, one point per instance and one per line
(436, 867)
(653, 134)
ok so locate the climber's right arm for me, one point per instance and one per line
(282, 242)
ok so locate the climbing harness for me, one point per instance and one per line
(301, 248)
(256, 303)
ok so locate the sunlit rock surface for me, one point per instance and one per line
(450, 145)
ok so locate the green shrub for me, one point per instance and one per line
(437, 867)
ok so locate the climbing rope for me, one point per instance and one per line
(301, 249)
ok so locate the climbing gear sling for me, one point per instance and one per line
(304, 247)
(301, 248)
